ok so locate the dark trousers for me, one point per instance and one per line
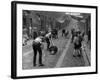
(48, 42)
(48, 45)
(37, 48)
(72, 38)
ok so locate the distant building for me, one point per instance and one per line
(43, 20)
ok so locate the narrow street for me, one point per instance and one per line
(63, 58)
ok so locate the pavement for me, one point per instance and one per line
(87, 47)
(86, 53)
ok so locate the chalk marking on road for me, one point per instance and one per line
(27, 53)
(63, 55)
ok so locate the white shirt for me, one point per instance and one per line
(38, 39)
(48, 35)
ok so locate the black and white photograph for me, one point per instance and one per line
(56, 39)
(52, 39)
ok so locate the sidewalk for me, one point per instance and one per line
(86, 53)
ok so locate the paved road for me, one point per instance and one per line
(63, 58)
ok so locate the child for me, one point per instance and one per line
(77, 44)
